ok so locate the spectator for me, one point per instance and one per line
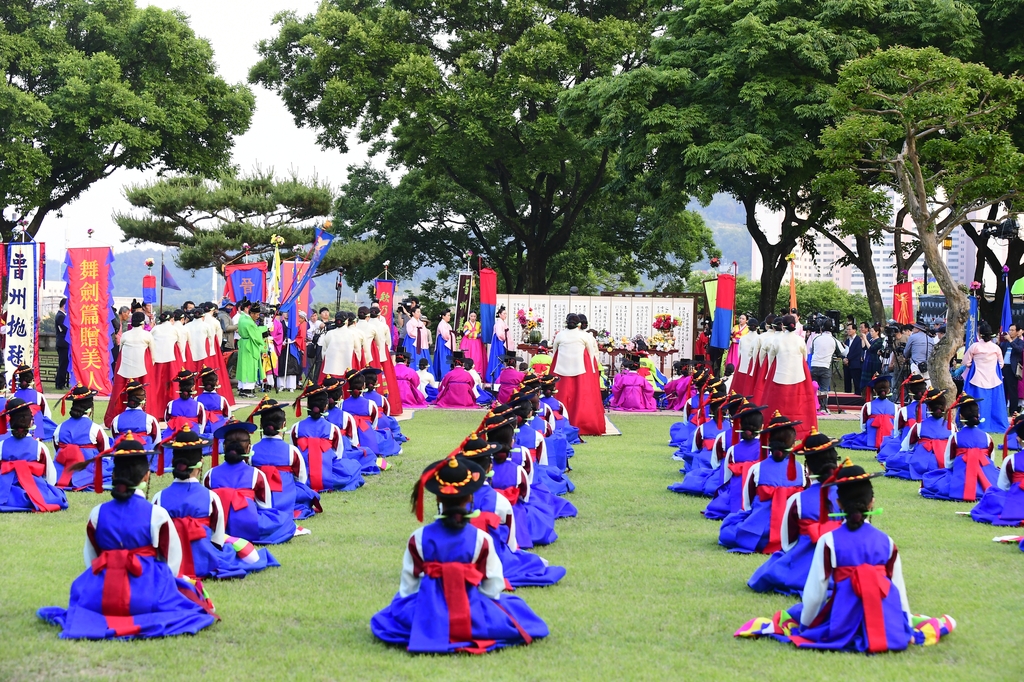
(982, 361)
(856, 344)
(227, 325)
(872, 362)
(823, 349)
(1012, 346)
(60, 322)
(918, 349)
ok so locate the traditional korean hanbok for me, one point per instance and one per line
(77, 440)
(408, 381)
(129, 589)
(169, 345)
(563, 424)
(984, 382)
(366, 414)
(533, 526)
(500, 342)
(248, 506)
(41, 416)
(216, 410)
(143, 427)
(906, 417)
(471, 345)
(632, 393)
(431, 612)
(384, 419)
(508, 381)
(763, 362)
(924, 450)
(134, 361)
(444, 345)
(694, 412)
(285, 469)
(215, 356)
(711, 441)
(728, 497)
(206, 550)
(757, 527)
(876, 424)
(318, 440)
(457, 390)
(575, 363)
(182, 411)
(803, 523)
(854, 600)
(417, 340)
(967, 473)
(747, 350)
(547, 482)
(1003, 503)
(28, 479)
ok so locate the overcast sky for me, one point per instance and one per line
(233, 28)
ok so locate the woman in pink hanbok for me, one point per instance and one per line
(458, 388)
(472, 346)
(632, 392)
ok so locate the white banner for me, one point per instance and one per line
(22, 308)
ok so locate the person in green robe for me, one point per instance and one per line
(251, 343)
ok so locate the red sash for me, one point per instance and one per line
(882, 424)
(273, 473)
(486, 521)
(26, 472)
(814, 529)
(178, 422)
(511, 494)
(116, 601)
(363, 422)
(68, 455)
(871, 584)
(315, 449)
(936, 446)
(1018, 478)
(210, 414)
(975, 459)
(189, 529)
(234, 499)
(741, 468)
(454, 578)
(778, 496)
(709, 443)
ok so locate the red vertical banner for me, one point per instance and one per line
(385, 290)
(90, 291)
(293, 271)
(903, 303)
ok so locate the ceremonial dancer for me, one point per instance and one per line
(28, 479)
(967, 470)
(483, 396)
(199, 518)
(500, 343)
(694, 412)
(1003, 503)
(450, 597)
(408, 382)
(169, 345)
(472, 346)
(914, 387)
(370, 463)
(198, 335)
(135, 420)
(677, 390)
(739, 458)
(341, 347)
(417, 337)
(763, 365)
(444, 346)
(547, 480)
(876, 417)
(249, 366)
(134, 361)
(805, 519)
(428, 384)
(215, 406)
(575, 363)
(282, 463)
(984, 380)
(631, 392)
(854, 598)
(790, 387)
(767, 487)
(185, 409)
(244, 491)
(509, 378)
(78, 440)
(458, 388)
(318, 440)
(129, 588)
(23, 387)
(924, 448)
(521, 569)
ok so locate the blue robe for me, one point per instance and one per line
(13, 494)
(245, 518)
(273, 457)
(970, 445)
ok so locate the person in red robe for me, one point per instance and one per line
(575, 363)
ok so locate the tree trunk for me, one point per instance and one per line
(772, 273)
(535, 279)
(867, 268)
(957, 311)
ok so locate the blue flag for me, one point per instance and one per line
(166, 280)
(321, 244)
(1006, 319)
(971, 334)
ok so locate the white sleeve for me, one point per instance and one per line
(793, 505)
(303, 476)
(218, 535)
(950, 453)
(897, 580)
(503, 510)
(45, 405)
(97, 431)
(521, 476)
(1005, 472)
(51, 471)
(158, 519)
(718, 447)
(726, 461)
(89, 552)
(410, 582)
(816, 588)
(494, 580)
(753, 474)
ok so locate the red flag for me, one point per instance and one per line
(90, 294)
(903, 303)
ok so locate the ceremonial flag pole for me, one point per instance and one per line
(161, 281)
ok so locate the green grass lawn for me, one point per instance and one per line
(649, 594)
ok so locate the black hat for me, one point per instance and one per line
(13, 405)
(265, 406)
(232, 425)
(133, 385)
(851, 474)
(779, 422)
(184, 375)
(914, 380)
(478, 451)
(933, 394)
(817, 442)
(205, 371)
(332, 384)
(371, 372)
(501, 415)
(877, 379)
(126, 446)
(749, 408)
(79, 394)
(453, 478)
(23, 370)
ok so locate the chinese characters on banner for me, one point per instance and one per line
(246, 280)
(385, 289)
(903, 303)
(22, 309)
(89, 287)
(464, 298)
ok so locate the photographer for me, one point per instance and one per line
(918, 350)
(874, 347)
(824, 347)
(1012, 346)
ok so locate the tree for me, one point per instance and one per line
(209, 220)
(736, 98)
(92, 86)
(466, 98)
(933, 129)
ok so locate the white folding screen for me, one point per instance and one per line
(621, 316)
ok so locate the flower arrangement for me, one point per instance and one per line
(638, 342)
(603, 338)
(661, 341)
(150, 263)
(276, 240)
(975, 285)
(665, 322)
(530, 324)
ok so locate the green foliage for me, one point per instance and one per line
(467, 99)
(210, 220)
(812, 297)
(89, 87)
